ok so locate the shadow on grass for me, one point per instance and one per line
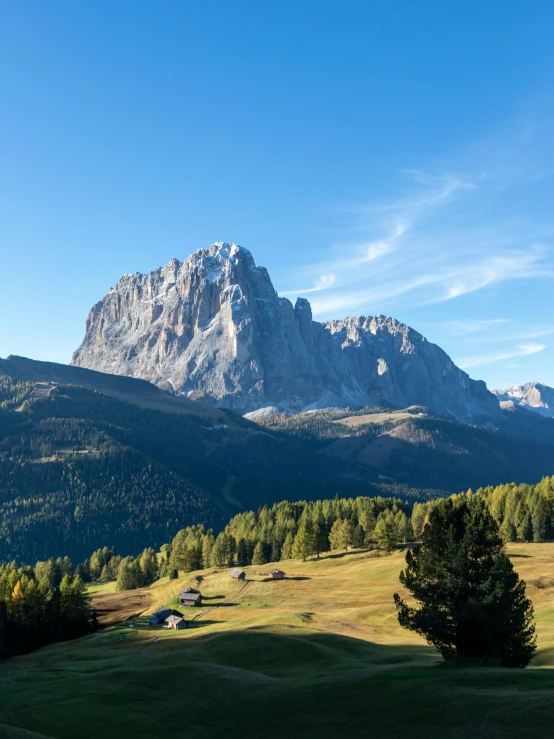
(201, 623)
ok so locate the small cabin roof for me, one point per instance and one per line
(190, 596)
(162, 612)
(189, 590)
(276, 572)
(173, 620)
(237, 573)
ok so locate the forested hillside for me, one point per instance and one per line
(413, 447)
(81, 469)
(129, 465)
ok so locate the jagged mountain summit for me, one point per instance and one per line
(533, 396)
(213, 327)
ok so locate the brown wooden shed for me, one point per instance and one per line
(190, 597)
(238, 574)
(276, 574)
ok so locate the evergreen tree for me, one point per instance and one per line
(508, 530)
(286, 551)
(207, 546)
(472, 603)
(259, 558)
(304, 541)
(541, 520)
(525, 529)
(368, 523)
(320, 531)
(341, 534)
(386, 535)
(149, 566)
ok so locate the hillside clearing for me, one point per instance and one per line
(354, 421)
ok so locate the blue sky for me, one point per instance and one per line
(377, 157)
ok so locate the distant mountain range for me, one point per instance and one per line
(214, 328)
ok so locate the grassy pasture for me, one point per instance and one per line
(355, 421)
(318, 654)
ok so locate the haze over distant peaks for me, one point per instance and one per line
(214, 327)
(533, 395)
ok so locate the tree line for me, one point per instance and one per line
(304, 529)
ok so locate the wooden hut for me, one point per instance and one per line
(176, 622)
(160, 615)
(276, 574)
(238, 575)
(190, 597)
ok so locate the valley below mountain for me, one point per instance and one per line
(89, 459)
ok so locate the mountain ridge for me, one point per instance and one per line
(213, 327)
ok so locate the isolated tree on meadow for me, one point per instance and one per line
(472, 604)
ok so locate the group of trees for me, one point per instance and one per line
(522, 512)
(291, 530)
(40, 605)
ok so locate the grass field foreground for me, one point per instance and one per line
(317, 654)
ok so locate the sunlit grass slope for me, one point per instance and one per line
(319, 654)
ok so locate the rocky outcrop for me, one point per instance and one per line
(533, 396)
(213, 327)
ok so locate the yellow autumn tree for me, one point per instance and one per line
(17, 593)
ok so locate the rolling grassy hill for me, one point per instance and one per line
(319, 654)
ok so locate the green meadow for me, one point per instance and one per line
(318, 654)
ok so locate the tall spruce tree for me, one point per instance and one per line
(304, 541)
(472, 603)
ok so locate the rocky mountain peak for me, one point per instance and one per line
(213, 327)
(533, 396)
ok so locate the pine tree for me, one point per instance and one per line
(472, 603)
(525, 529)
(386, 536)
(541, 520)
(368, 523)
(320, 532)
(286, 551)
(258, 557)
(149, 566)
(207, 546)
(304, 541)
(341, 534)
(508, 530)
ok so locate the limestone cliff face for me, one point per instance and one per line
(534, 396)
(214, 327)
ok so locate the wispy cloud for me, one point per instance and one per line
(522, 350)
(444, 238)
